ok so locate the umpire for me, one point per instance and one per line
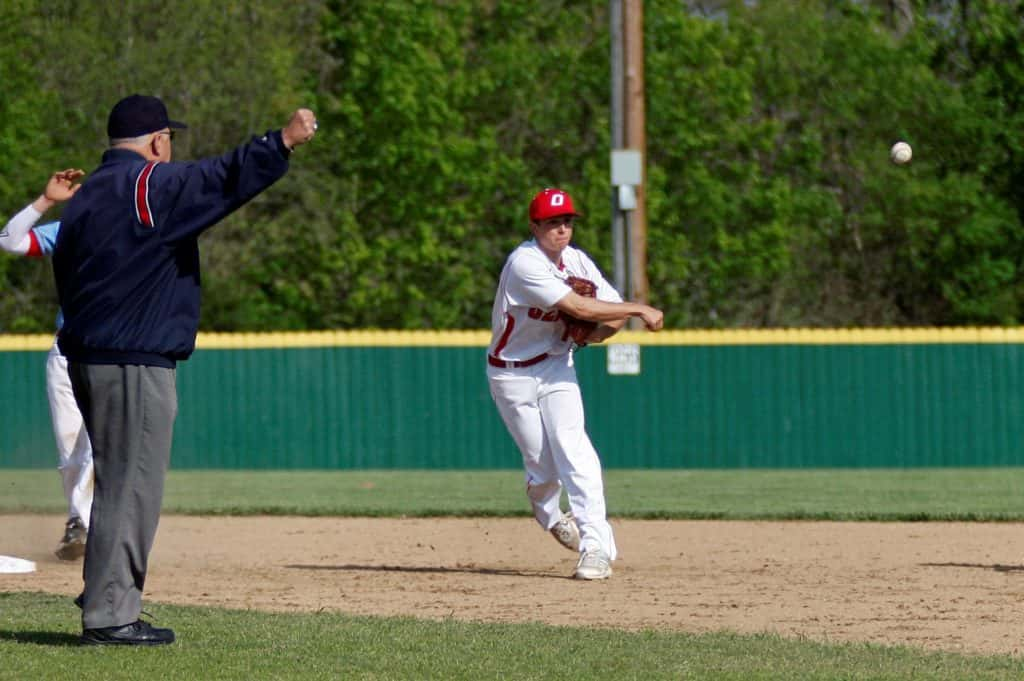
(126, 265)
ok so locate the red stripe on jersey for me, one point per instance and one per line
(142, 211)
(34, 249)
(510, 323)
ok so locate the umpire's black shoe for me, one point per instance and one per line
(137, 633)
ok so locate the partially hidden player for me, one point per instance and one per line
(22, 236)
(126, 266)
(535, 324)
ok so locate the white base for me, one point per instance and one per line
(12, 565)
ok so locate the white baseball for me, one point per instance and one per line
(901, 153)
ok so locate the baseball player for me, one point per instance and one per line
(535, 326)
(22, 237)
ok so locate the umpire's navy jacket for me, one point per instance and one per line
(126, 260)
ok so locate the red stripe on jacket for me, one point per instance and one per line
(142, 211)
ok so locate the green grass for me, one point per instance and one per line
(906, 494)
(39, 632)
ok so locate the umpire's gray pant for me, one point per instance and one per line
(129, 414)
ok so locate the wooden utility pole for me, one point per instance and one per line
(618, 137)
(636, 138)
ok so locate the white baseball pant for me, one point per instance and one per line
(542, 408)
(73, 448)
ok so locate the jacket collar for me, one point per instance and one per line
(121, 156)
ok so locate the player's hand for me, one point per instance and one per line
(300, 128)
(653, 318)
(61, 185)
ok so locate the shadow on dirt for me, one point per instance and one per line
(470, 569)
(996, 567)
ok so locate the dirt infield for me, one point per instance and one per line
(942, 586)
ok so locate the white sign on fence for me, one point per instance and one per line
(624, 359)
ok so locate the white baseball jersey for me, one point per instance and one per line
(524, 320)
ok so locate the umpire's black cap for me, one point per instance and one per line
(137, 115)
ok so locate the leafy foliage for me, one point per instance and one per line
(771, 201)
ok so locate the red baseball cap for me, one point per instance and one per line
(549, 203)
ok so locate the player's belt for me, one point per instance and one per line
(514, 363)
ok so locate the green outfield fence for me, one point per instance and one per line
(703, 399)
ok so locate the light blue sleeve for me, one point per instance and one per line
(46, 235)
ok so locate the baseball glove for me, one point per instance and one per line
(579, 329)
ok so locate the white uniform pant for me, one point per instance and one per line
(542, 408)
(73, 448)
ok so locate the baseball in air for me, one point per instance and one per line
(901, 153)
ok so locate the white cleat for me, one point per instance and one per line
(594, 564)
(566, 532)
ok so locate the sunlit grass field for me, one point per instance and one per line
(989, 494)
(39, 641)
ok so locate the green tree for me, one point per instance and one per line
(771, 201)
(24, 164)
(441, 119)
(773, 137)
(230, 70)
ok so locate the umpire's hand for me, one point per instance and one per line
(300, 128)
